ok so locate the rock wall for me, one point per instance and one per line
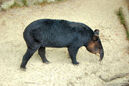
(6, 4)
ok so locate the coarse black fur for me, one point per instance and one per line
(55, 33)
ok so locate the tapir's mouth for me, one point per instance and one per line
(97, 54)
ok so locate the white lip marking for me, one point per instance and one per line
(97, 54)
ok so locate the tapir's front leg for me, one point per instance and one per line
(73, 52)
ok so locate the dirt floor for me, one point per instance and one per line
(98, 14)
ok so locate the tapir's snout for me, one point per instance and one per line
(101, 54)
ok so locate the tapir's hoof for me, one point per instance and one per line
(46, 62)
(75, 63)
(23, 68)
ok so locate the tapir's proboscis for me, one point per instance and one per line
(57, 33)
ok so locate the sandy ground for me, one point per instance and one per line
(100, 14)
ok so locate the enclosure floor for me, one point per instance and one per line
(98, 14)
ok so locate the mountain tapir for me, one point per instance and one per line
(59, 33)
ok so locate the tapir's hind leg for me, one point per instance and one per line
(41, 52)
(27, 56)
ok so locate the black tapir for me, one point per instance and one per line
(44, 33)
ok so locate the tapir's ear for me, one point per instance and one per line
(96, 35)
(96, 32)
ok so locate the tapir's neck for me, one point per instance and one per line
(88, 39)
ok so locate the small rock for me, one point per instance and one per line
(7, 4)
(41, 1)
(33, 2)
(19, 2)
(50, 1)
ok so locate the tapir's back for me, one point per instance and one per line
(57, 24)
(58, 32)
